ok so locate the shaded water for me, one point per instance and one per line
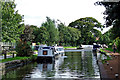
(77, 65)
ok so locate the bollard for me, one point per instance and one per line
(116, 75)
(110, 68)
(107, 63)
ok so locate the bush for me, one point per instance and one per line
(23, 48)
(117, 42)
(11, 52)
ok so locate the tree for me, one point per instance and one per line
(75, 36)
(11, 22)
(43, 35)
(112, 16)
(53, 31)
(87, 27)
(23, 45)
(68, 35)
(35, 32)
(27, 34)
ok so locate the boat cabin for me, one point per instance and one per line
(50, 51)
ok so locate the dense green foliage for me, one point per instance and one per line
(87, 27)
(53, 37)
(68, 36)
(112, 17)
(23, 49)
(27, 34)
(106, 38)
(23, 45)
(117, 42)
(43, 35)
(11, 22)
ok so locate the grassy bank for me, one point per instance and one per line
(108, 57)
(69, 47)
(18, 58)
(109, 49)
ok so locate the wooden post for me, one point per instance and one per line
(4, 52)
(13, 55)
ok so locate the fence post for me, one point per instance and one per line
(4, 52)
(13, 55)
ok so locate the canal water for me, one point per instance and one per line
(74, 65)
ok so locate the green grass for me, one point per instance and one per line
(15, 58)
(109, 49)
(69, 47)
(102, 50)
(108, 58)
(18, 58)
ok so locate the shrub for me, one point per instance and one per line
(23, 48)
(117, 42)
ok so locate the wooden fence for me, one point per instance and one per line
(6, 45)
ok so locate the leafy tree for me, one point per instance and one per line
(53, 31)
(68, 35)
(43, 35)
(35, 32)
(112, 16)
(23, 48)
(75, 35)
(11, 22)
(27, 34)
(87, 27)
(117, 42)
(23, 45)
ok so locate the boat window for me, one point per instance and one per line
(59, 49)
(46, 47)
(44, 52)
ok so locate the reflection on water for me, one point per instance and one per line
(76, 65)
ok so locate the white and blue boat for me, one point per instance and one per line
(50, 52)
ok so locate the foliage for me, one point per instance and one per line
(87, 27)
(27, 34)
(112, 16)
(111, 13)
(67, 35)
(43, 35)
(11, 22)
(117, 42)
(23, 45)
(52, 30)
(110, 49)
(75, 35)
(23, 48)
(35, 32)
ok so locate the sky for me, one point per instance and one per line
(35, 11)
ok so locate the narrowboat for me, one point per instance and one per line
(50, 52)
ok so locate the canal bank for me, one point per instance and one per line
(16, 63)
(110, 69)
